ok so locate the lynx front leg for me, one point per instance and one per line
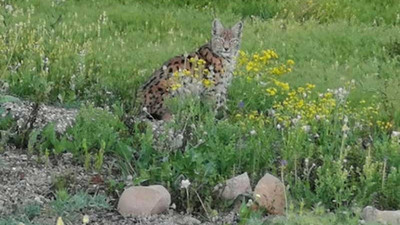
(220, 102)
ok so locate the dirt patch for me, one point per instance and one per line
(31, 180)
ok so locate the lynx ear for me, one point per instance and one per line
(237, 29)
(217, 27)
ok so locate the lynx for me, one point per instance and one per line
(206, 73)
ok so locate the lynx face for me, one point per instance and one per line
(226, 42)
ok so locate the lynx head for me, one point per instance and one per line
(226, 42)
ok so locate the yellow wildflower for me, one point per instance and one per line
(290, 62)
(175, 86)
(250, 66)
(283, 85)
(310, 86)
(60, 221)
(271, 91)
(186, 72)
(276, 71)
(300, 103)
(256, 56)
(207, 83)
(272, 54)
(201, 62)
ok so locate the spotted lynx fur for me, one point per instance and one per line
(206, 72)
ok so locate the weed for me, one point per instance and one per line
(32, 210)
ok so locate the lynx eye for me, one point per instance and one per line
(235, 42)
(218, 40)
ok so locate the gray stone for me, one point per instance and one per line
(144, 201)
(235, 186)
(270, 194)
(371, 214)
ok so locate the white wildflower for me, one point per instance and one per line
(9, 8)
(345, 128)
(346, 119)
(395, 134)
(185, 184)
(129, 178)
(85, 219)
(306, 128)
(271, 112)
(253, 132)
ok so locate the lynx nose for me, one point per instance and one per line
(226, 48)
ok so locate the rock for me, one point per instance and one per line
(235, 186)
(371, 214)
(188, 220)
(23, 112)
(270, 194)
(144, 201)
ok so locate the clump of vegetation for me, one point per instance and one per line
(68, 207)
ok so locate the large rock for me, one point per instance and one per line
(270, 194)
(371, 214)
(236, 186)
(144, 201)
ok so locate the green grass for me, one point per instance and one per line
(99, 52)
(68, 207)
(132, 43)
